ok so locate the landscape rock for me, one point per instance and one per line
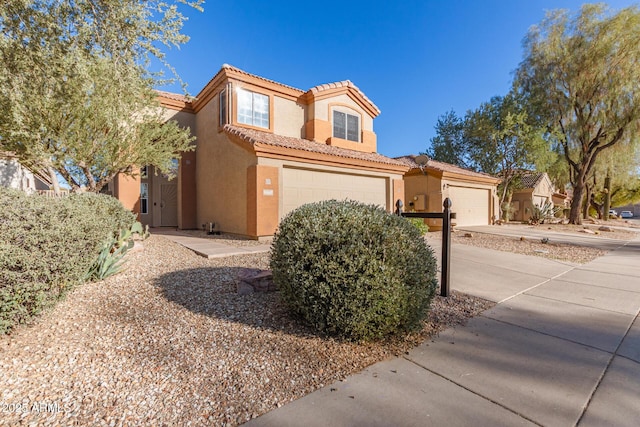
(252, 280)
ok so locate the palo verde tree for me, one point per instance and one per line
(76, 98)
(581, 74)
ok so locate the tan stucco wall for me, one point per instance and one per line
(417, 185)
(288, 118)
(221, 175)
(322, 110)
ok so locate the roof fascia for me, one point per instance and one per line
(283, 153)
(352, 93)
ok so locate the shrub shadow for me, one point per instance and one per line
(212, 292)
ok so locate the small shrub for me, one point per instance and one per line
(353, 270)
(420, 225)
(48, 245)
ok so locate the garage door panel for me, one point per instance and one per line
(301, 186)
(471, 205)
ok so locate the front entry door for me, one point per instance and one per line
(169, 205)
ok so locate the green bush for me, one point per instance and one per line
(420, 225)
(353, 270)
(47, 245)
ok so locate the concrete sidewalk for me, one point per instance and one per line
(561, 348)
(208, 248)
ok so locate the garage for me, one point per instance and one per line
(301, 186)
(471, 205)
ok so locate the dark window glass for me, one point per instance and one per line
(223, 107)
(339, 125)
(353, 131)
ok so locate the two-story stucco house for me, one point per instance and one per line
(262, 149)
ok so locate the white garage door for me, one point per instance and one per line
(302, 186)
(471, 205)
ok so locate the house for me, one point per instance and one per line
(473, 195)
(264, 148)
(15, 175)
(536, 189)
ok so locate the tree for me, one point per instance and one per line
(448, 145)
(76, 98)
(500, 141)
(581, 75)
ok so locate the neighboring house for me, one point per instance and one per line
(537, 189)
(262, 149)
(14, 175)
(473, 195)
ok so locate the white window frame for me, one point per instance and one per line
(355, 135)
(144, 196)
(253, 108)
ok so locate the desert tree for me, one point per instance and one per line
(581, 75)
(76, 96)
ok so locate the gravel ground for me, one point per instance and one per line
(170, 342)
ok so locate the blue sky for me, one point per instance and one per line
(415, 60)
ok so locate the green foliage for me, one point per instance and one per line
(47, 246)
(353, 270)
(545, 212)
(75, 94)
(110, 259)
(449, 144)
(580, 77)
(420, 225)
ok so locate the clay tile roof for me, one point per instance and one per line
(255, 136)
(238, 70)
(174, 96)
(343, 83)
(441, 166)
(530, 180)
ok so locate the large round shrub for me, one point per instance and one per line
(47, 246)
(353, 270)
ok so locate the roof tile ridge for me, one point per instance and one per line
(239, 70)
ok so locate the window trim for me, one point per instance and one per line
(223, 107)
(347, 112)
(236, 108)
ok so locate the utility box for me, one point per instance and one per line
(420, 202)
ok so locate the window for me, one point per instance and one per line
(346, 126)
(144, 198)
(223, 107)
(144, 172)
(253, 108)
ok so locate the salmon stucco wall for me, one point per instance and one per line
(127, 190)
(263, 197)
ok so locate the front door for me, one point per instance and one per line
(169, 205)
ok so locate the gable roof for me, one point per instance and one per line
(443, 168)
(258, 139)
(531, 180)
(194, 104)
(345, 84)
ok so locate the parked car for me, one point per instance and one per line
(613, 213)
(626, 214)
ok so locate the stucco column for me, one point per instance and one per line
(262, 200)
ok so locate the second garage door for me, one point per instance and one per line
(302, 186)
(471, 205)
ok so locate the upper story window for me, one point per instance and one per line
(253, 108)
(144, 172)
(346, 126)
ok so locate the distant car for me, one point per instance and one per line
(626, 214)
(613, 213)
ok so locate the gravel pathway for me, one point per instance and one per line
(170, 342)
